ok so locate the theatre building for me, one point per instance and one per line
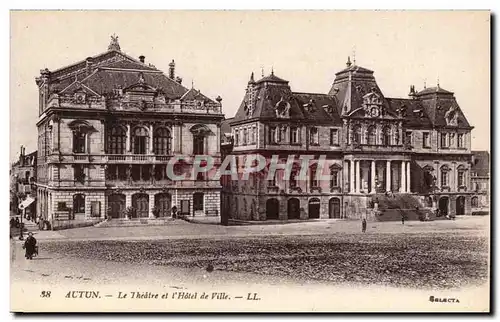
(108, 126)
(408, 156)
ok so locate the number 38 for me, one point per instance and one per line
(45, 294)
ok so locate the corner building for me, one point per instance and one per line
(108, 126)
(411, 154)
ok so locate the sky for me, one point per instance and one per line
(215, 51)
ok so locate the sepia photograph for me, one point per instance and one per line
(250, 161)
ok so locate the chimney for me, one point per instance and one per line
(142, 58)
(89, 65)
(171, 71)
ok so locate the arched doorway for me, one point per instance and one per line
(163, 203)
(460, 206)
(140, 202)
(116, 204)
(272, 209)
(334, 208)
(293, 208)
(313, 208)
(443, 206)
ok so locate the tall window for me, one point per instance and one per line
(334, 178)
(426, 140)
(272, 134)
(79, 141)
(314, 136)
(236, 137)
(293, 178)
(294, 135)
(140, 140)
(198, 144)
(117, 140)
(474, 202)
(312, 176)
(408, 138)
(198, 199)
(253, 135)
(272, 182)
(386, 136)
(79, 204)
(444, 140)
(452, 139)
(370, 133)
(162, 141)
(356, 134)
(444, 178)
(460, 139)
(79, 173)
(461, 178)
(334, 137)
(245, 136)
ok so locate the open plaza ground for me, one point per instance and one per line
(439, 254)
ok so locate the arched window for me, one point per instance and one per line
(293, 175)
(356, 134)
(162, 141)
(117, 140)
(386, 136)
(461, 176)
(370, 134)
(334, 176)
(445, 176)
(140, 140)
(79, 204)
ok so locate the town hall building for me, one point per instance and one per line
(405, 155)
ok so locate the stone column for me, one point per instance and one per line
(402, 184)
(179, 138)
(103, 137)
(174, 138)
(372, 187)
(388, 176)
(408, 177)
(128, 139)
(151, 205)
(358, 176)
(351, 176)
(217, 150)
(150, 138)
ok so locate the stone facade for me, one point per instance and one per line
(368, 146)
(108, 127)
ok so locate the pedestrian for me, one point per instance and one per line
(30, 246)
(363, 225)
(403, 219)
(17, 222)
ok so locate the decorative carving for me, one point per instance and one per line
(282, 108)
(451, 116)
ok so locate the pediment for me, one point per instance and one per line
(78, 88)
(373, 111)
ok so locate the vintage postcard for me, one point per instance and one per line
(250, 161)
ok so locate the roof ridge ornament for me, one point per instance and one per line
(113, 44)
(348, 64)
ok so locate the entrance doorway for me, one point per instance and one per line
(163, 202)
(443, 206)
(334, 208)
(140, 202)
(116, 204)
(293, 208)
(272, 208)
(460, 206)
(314, 208)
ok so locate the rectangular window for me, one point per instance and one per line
(444, 140)
(312, 177)
(112, 172)
(294, 135)
(198, 144)
(334, 179)
(444, 178)
(282, 134)
(272, 182)
(245, 136)
(272, 134)
(313, 136)
(461, 179)
(236, 138)
(95, 209)
(426, 140)
(253, 135)
(461, 140)
(409, 138)
(61, 206)
(122, 172)
(334, 137)
(79, 173)
(78, 142)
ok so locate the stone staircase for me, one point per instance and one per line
(393, 207)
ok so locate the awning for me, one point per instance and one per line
(28, 201)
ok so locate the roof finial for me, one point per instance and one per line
(354, 56)
(348, 61)
(113, 44)
(272, 70)
(262, 70)
(252, 80)
(425, 83)
(438, 81)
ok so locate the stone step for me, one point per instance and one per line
(134, 222)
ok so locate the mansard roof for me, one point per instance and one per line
(412, 111)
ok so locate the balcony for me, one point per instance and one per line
(377, 147)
